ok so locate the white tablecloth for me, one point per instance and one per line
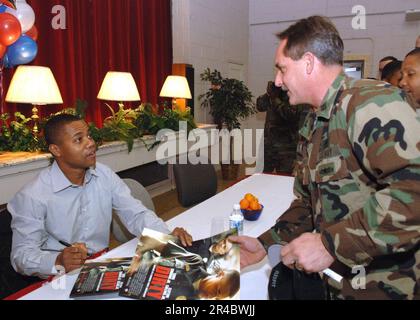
(274, 192)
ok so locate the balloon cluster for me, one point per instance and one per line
(18, 33)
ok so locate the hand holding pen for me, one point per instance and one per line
(73, 256)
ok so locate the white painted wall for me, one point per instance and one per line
(387, 32)
(210, 34)
(215, 33)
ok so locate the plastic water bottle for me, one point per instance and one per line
(236, 219)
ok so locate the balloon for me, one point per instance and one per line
(33, 33)
(3, 8)
(2, 50)
(10, 29)
(22, 51)
(8, 3)
(25, 15)
(6, 63)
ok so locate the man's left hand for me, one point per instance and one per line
(307, 253)
(184, 236)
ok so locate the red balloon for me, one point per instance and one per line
(10, 29)
(33, 33)
(2, 50)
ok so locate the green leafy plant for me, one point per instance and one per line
(124, 125)
(119, 126)
(149, 123)
(229, 100)
(18, 135)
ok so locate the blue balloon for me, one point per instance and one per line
(5, 61)
(23, 51)
(3, 8)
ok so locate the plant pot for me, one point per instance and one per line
(230, 171)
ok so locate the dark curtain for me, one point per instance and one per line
(100, 36)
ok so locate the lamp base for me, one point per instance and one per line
(176, 106)
(35, 119)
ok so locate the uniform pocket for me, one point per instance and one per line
(330, 169)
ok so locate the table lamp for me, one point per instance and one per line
(119, 86)
(176, 87)
(35, 85)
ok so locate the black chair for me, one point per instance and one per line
(195, 183)
(10, 280)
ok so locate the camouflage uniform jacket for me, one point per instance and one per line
(358, 184)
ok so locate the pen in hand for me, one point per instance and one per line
(66, 244)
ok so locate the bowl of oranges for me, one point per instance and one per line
(251, 207)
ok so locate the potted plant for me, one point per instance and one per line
(229, 101)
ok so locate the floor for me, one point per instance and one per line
(167, 205)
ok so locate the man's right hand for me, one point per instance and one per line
(252, 251)
(73, 257)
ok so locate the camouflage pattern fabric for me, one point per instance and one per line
(281, 132)
(358, 184)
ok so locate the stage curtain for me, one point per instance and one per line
(100, 36)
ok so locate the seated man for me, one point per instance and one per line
(72, 202)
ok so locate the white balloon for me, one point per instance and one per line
(25, 14)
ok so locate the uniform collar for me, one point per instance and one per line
(326, 107)
(60, 182)
(331, 96)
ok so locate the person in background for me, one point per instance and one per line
(282, 125)
(358, 182)
(392, 73)
(383, 62)
(410, 81)
(72, 201)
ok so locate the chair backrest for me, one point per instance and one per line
(139, 192)
(10, 280)
(195, 183)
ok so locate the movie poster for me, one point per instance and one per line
(162, 269)
(101, 278)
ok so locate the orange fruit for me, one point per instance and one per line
(249, 196)
(244, 204)
(254, 205)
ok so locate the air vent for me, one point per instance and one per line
(412, 15)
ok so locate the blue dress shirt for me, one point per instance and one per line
(51, 208)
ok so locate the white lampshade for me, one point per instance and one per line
(35, 85)
(119, 86)
(176, 87)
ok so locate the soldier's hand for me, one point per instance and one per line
(252, 251)
(307, 253)
(270, 86)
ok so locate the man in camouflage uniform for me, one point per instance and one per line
(358, 182)
(281, 129)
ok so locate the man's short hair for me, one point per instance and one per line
(317, 35)
(55, 124)
(390, 69)
(388, 58)
(414, 52)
